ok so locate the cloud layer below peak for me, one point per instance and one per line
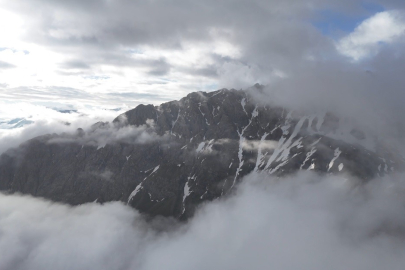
(303, 222)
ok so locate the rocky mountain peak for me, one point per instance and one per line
(189, 151)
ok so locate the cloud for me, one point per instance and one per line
(193, 45)
(105, 175)
(301, 222)
(367, 39)
(370, 99)
(189, 46)
(5, 65)
(47, 121)
(62, 235)
(103, 133)
(159, 68)
(250, 145)
(75, 65)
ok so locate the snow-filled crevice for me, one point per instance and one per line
(308, 156)
(282, 151)
(336, 156)
(260, 156)
(174, 122)
(203, 114)
(255, 113)
(139, 187)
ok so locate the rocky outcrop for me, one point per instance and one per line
(198, 149)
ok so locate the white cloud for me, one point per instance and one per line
(303, 222)
(85, 237)
(371, 34)
(47, 121)
(239, 75)
(191, 41)
(113, 47)
(11, 26)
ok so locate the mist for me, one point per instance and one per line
(301, 222)
(46, 120)
(371, 99)
(102, 133)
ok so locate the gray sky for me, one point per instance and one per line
(345, 56)
(109, 53)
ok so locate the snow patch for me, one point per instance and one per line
(337, 154)
(260, 156)
(243, 103)
(200, 147)
(174, 122)
(309, 155)
(282, 151)
(134, 192)
(100, 146)
(315, 143)
(155, 169)
(241, 142)
(186, 193)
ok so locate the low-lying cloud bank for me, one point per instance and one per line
(103, 133)
(48, 121)
(303, 222)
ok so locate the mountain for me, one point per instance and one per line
(189, 151)
(15, 123)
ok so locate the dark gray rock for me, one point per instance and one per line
(200, 149)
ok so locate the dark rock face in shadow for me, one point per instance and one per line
(203, 145)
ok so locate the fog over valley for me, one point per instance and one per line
(303, 222)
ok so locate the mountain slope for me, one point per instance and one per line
(186, 152)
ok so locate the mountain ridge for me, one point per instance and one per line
(168, 159)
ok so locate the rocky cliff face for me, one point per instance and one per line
(170, 158)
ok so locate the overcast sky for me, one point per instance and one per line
(110, 53)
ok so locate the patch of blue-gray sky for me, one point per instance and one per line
(335, 23)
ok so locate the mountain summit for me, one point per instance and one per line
(167, 159)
